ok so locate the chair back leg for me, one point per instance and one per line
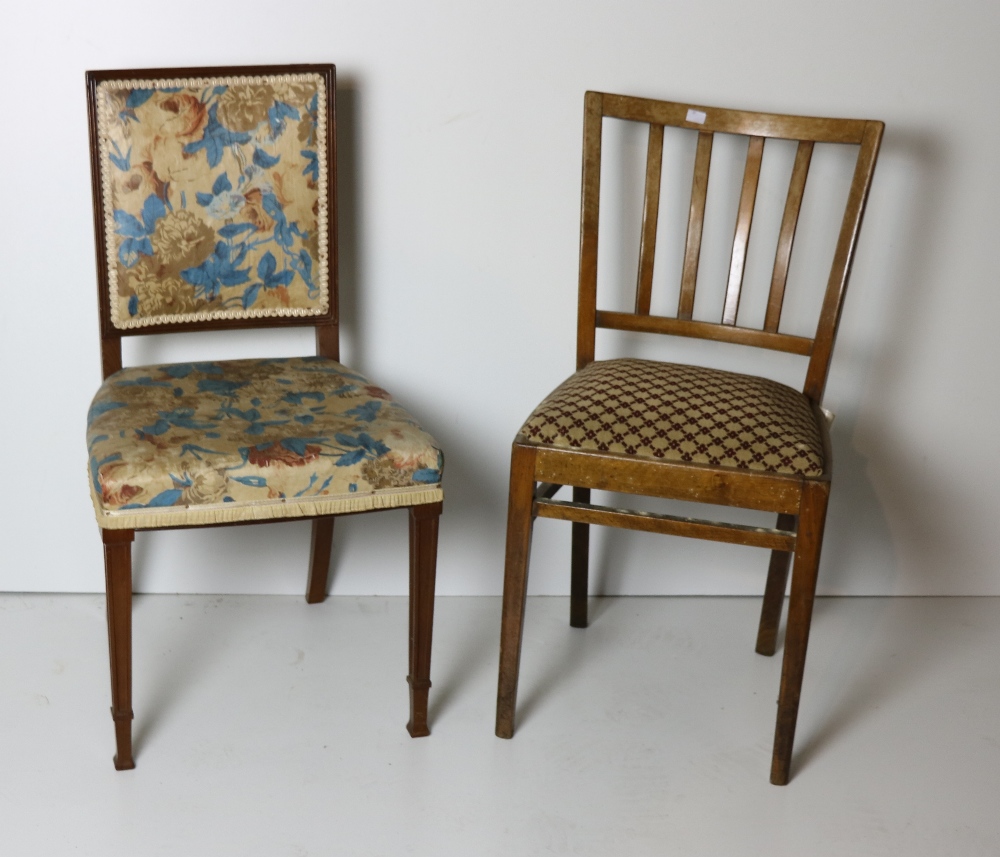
(580, 565)
(118, 579)
(774, 594)
(319, 559)
(423, 566)
(812, 519)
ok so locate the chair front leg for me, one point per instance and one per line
(118, 580)
(423, 564)
(515, 584)
(808, 543)
(579, 565)
(774, 594)
(319, 559)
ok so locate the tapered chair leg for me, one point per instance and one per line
(580, 566)
(515, 583)
(774, 594)
(118, 579)
(812, 518)
(423, 565)
(319, 559)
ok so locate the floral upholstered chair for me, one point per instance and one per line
(215, 207)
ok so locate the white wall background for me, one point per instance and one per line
(459, 176)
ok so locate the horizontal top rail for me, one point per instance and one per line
(713, 119)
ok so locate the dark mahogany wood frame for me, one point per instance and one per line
(117, 543)
(538, 472)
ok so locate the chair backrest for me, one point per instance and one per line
(214, 200)
(706, 122)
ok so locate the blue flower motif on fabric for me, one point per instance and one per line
(144, 381)
(136, 98)
(252, 481)
(299, 398)
(123, 162)
(137, 233)
(96, 465)
(219, 386)
(309, 489)
(263, 160)
(358, 448)
(216, 139)
(182, 370)
(219, 270)
(277, 115)
(311, 168)
(367, 412)
(427, 476)
(99, 408)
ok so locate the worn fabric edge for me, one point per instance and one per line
(265, 510)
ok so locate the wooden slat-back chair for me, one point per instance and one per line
(215, 208)
(631, 426)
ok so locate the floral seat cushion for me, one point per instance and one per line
(681, 413)
(195, 443)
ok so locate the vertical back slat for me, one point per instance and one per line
(744, 219)
(833, 300)
(650, 213)
(789, 222)
(696, 221)
(586, 324)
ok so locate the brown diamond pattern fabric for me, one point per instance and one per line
(680, 413)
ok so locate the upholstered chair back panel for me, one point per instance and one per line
(215, 198)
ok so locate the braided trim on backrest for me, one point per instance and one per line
(194, 293)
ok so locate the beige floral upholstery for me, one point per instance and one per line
(680, 413)
(194, 443)
(214, 194)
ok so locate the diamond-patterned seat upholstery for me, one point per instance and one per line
(682, 413)
(195, 443)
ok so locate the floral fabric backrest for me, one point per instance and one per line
(214, 196)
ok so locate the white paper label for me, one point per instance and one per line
(696, 116)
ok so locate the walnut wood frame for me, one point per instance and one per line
(423, 526)
(538, 472)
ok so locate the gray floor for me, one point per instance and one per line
(268, 727)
